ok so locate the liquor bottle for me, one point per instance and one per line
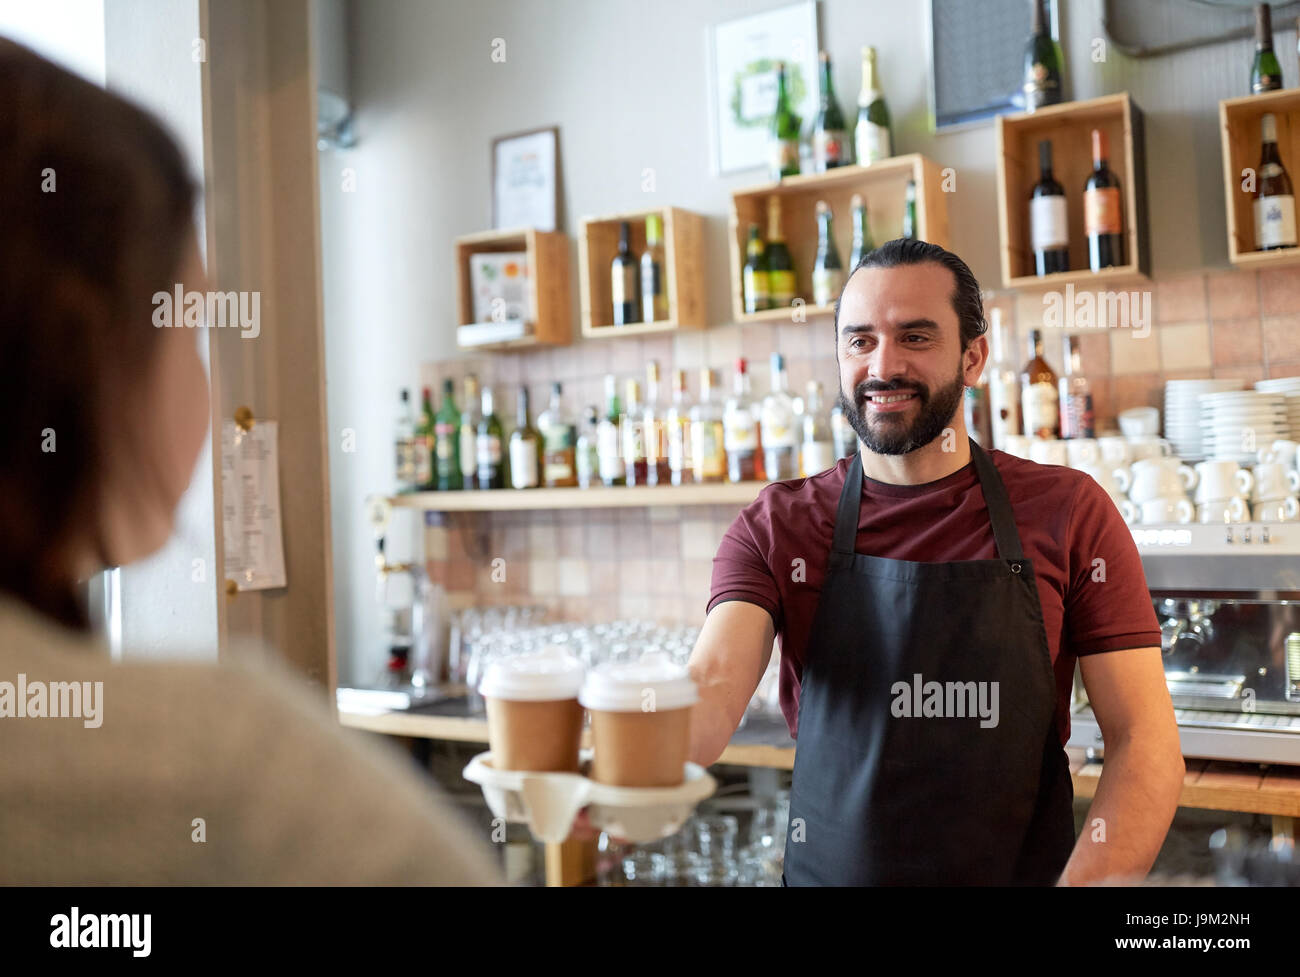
(608, 438)
(623, 279)
(842, 433)
(654, 299)
(525, 448)
(817, 448)
(783, 138)
(1101, 210)
(780, 266)
(873, 136)
(1274, 201)
(1039, 398)
(1077, 419)
(1049, 227)
(469, 419)
(588, 453)
(708, 438)
(829, 142)
(754, 274)
(909, 211)
(654, 431)
(1042, 77)
(828, 272)
(677, 425)
(559, 444)
(740, 430)
(777, 430)
(404, 444)
(632, 424)
(1265, 72)
(862, 242)
(491, 471)
(446, 441)
(1004, 385)
(424, 445)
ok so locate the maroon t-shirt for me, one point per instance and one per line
(1066, 520)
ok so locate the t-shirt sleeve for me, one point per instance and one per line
(1107, 604)
(740, 568)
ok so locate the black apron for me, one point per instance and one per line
(931, 796)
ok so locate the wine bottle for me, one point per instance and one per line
(525, 448)
(1265, 71)
(1274, 201)
(491, 472)
(446, 440)
(783, 138)
(872, 136)
(654, 299)
(469, 419)
(609, 442)
(1048, 223)
(623, 279)
(828, 143)
(424, 442)
(1101, 210)
(828, 272)
(909, 211)
(1039, 397)
(780, 266)
(862, 242)
(1042, 78)
(754, 274)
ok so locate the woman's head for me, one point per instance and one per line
(103, 414)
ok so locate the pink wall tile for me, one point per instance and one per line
(1180, 298)
(1279, 290)
(1233, 294)
(1282, 335)
(1236, 342)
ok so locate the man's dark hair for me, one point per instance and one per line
(966, 299)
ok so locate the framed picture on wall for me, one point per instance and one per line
(526, 180)
(742, 80)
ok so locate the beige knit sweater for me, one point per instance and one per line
(241, 756)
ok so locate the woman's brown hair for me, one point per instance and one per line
(96, 204)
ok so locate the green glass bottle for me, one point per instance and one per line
(654, 297)
(862, 242)
(783, 140)
(829, 143)
(909, 211)
(427, 477)
(1266, 72)
(1042, 77)
(490, 463)
(754, 274)
(828, 270)
(873, 135)
(446, 441)
(780, 266)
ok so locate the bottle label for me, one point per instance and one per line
(827, 284)
(828, 147)
(778, 428)
(741, 433)
(489, 450)
(468, 450)
(624, 285)
(633, 440)
(651, 289)
(1078, 419)
(1048, 225)
(780, 286)
(1101, 211)
(1041, 406)
(872, 142)
(406, 460)
(1039, 87)
(444, 439)
(523, 463)
(756, 290)
(423, 463)
(1275, 222)
(611, 461)
(817, 456)
(676, 446)
(558, 469)
(1004, 413)
(783, 154)
(707, 452)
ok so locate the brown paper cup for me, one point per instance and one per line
(640, 749)
(530, 735)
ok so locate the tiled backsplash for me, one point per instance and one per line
(655, 562)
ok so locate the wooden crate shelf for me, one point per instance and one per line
(684, 272)
(1069, 129)
(883, 185)
(550, 281)
(1239, 122)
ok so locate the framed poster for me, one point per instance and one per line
(742, 80)
(526, 180)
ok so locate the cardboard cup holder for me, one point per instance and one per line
(549, 802)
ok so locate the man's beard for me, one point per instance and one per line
(890, 435)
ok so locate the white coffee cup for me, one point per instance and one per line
(1018, 445)
(1114, 450)
(1138, 422)
(1157, 477)
(1221, 480)
(1115, 481)
(1049, 451)
(1168, 509)
(1277, 510)
(1222, 511)
(1083, 451)
(1144, 447)
(1281, 452)
(1272, 481)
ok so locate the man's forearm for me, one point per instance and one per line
(1128, 819)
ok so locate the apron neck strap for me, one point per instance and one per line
(1005, 534)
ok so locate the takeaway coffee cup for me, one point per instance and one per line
(640, 721)
(534, 717)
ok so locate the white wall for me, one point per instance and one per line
(70, 32)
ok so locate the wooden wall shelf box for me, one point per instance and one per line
(883, 184)
(1069, 128)
(684, 271)
(549, 269)
(1239, 121)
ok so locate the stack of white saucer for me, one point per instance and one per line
(1289, 387)
(1183, 413)
(1236, 424)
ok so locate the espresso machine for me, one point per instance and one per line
(1228, 602)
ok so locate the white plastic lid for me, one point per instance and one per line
(628, 687)
(551, 673)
